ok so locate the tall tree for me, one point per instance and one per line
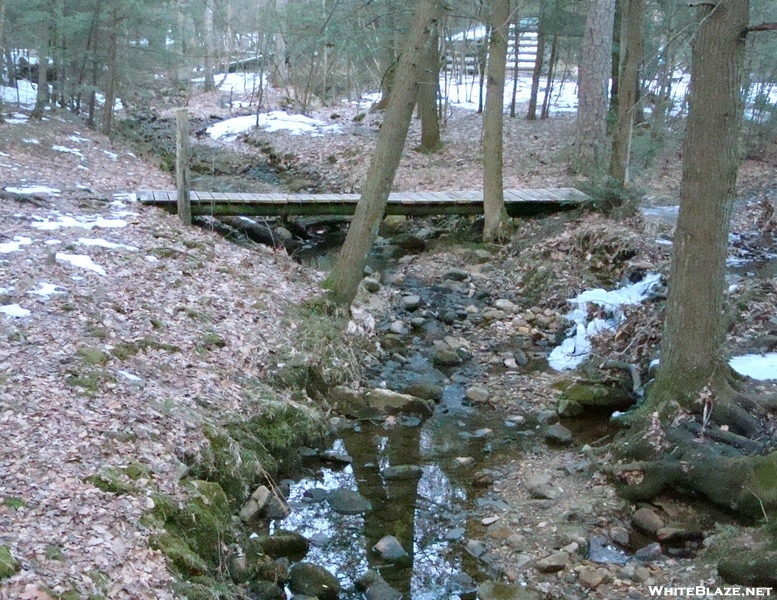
(428, 84)
(694, 328)
(348, 271)
(692, 392)
(594, 76)
(632, 42)
(210, 46)
(493, 123)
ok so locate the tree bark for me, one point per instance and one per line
(428, 83)
(210, 47)
(493, 122)
(347, 273)
(42, 95)
(531, 114)
(694, 329)
(594, 76)
(632, 42)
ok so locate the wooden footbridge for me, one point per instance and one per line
(519, 203)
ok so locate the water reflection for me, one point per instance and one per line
(419, 512)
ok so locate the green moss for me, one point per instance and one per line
(205, 521)
(14, 502)
(181, 557)
(211, 341)
(136, 470)
(125, 350)
(207, 588)
(93, 356)
(54, 553)
(91, 381)
(113, 481)
(70, 595)
(8, 565)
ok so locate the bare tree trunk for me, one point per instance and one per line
(632, 41)
(531, 114)
(280, 74)
(110, 86)
(552, 62)
(210, 47)
(594, 75)
(482, 61)
(493, 122)
(42, 96)
(428, 83)
(348, 271)
(2, 56)
(694, 329)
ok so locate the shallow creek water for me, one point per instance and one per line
(429, 516)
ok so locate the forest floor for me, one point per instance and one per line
(132, 351)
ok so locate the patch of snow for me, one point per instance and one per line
(14, 310)
(81, 260)
(103, 244)
(46, 290)
(34, 189)
(576, 348)
(52, 242)
(758, 366)
(130, 376)
(83, 222)
(77, 138)
(67, 150)
(276, 120)
(15, 245)
(111, 155)
(150, 258)
(24, 93)
(30, 141)
(17, 119)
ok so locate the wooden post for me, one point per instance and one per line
(182, 166)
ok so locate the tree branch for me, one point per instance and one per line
(762, 27)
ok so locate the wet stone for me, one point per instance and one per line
(411, 302)
(647, 520)
(477, 394)
(545, 492)
(553, 563)
(288, 544)
(312, 580)
(601, 551)
(446, 357)
(619, 535)
(558, 434)
(547, 417)
(348, 502)
(649, 553)
(401, 472)
(476, 548)
(315, 495)
(427, 391)
(338, 458)
(456, 274)
(464, 461)
(483, 478)
(455, 534)
(389, 548)
(590, 578)
(497, 590)
(375, 587)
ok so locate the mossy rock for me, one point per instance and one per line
(205, 522)
(137, 470)
(287, 544)
(8, 565)
(180, 556)
(207, 588)
(54, 553)
(211, 341)
(125, 350)
(91, 382)
(597, 396)
(754, 568)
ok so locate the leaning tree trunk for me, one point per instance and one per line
(591, 133)
(428, 82)
(348, 271)
(694, 329)
(632, 42)
(493, 122)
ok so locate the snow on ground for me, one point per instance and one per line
(33, 189)
(81, 260)
(576, 348)
(757, 366)
(91, 222)
(276, 120)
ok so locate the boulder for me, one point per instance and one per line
(745, 566)
(391, 402)
(307, 579)
(389, 548)
(284, 544)
(348, 502)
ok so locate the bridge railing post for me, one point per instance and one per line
(182, 166)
